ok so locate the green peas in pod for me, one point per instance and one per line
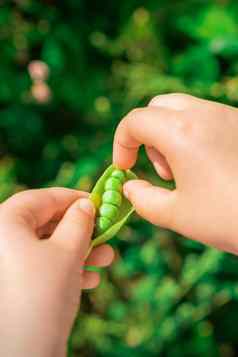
(113, 209)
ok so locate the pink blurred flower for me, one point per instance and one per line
(38, 70)
(40, 91)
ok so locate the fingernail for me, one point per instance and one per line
(126, 189)
(125, 192)
(87, 206)
(156, 166)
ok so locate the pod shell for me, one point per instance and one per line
(125, 209)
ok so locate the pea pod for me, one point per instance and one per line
(113, 209)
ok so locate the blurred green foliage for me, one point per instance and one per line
(165, 296)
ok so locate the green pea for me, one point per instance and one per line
(109, 211)
(112, 197)
(119, 174)
(113, 184)
(102, 224)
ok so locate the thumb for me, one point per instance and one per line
(76, 227)
(155, 204)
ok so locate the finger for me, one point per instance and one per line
(152, 126)
(35, 208)
(155, 204)
(101, 256)
(76, 227)
(160, 163)
(90, 280)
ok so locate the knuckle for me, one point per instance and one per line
(155, 100)
(121, 128)
(180, 96)
(177, 101)
(135, 114)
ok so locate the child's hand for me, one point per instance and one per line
(196, 142)
(42, 279)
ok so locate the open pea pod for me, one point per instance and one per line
(124, 212)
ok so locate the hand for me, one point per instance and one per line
(42, 279)
(195, 142)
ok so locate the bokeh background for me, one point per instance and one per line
(69, 71)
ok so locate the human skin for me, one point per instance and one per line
(195, 142)
(42, 279)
